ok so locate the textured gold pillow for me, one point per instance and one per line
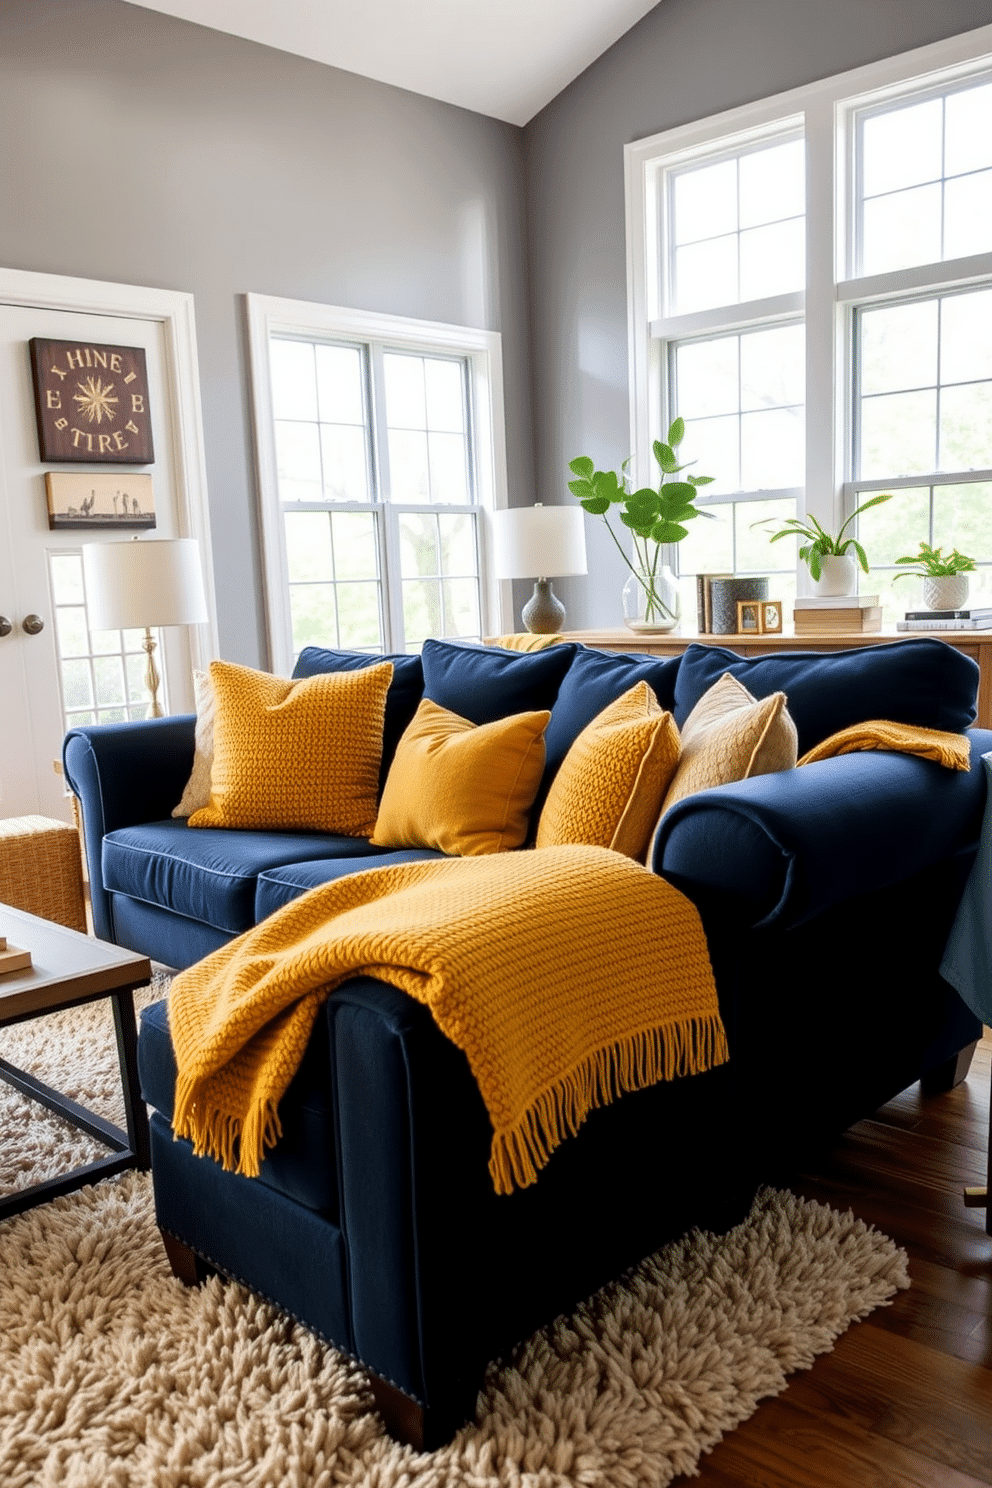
(611, 784)
(950, 750)
(729, 735)
(460, 787)
(299, 754)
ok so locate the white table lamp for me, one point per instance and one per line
(540, 543)
(139, 585)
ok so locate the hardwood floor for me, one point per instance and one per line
(905, 1398)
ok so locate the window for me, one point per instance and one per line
(811, 289)
(380, 460)
(102, 672)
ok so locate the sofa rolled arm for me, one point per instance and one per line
(782, 848)
(124, 774)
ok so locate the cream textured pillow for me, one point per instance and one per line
(729, 735)
(296, 755)
(612, 781)
(197, 792)
(460, 787)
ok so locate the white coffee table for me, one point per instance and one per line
(69, 969)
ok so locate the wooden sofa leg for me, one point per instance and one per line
(402, 1416)
(190, 1268)
(945, 1076)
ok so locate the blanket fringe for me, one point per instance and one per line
(237, 1145)
(643, 1059)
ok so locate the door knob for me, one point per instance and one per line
(5, 626)
(32, 624)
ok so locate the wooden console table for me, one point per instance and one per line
(974, 643)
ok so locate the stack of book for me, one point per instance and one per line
(839, 614)
(979, 619)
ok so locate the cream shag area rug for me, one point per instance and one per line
(113, 1374)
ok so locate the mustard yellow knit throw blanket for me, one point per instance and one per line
(566, 974)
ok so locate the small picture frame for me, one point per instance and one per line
(771, 617)
(748, 617)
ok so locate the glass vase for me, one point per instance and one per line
(651, 601)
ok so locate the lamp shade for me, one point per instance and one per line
(539, 542)
(138, 585)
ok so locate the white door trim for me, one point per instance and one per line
(174, 310)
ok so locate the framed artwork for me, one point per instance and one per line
(771, 617)
(91, 402)
(748, 617)
(120, 499)
(759, 616)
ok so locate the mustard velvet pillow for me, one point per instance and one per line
(729, 735)
(460, 787)
(611, 784)
(301, 755)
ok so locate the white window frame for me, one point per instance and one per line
(269, 316)
(825, 111)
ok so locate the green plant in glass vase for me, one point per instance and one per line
(654, 516)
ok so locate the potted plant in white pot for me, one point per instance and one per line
(945, 580)
(832, 567)
(654, 517)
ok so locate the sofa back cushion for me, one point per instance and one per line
(483, 683)
(596, 679)
(921, 681)
(405, 690)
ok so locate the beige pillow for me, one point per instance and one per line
(612, 781)
(197, 792)
(729, 735)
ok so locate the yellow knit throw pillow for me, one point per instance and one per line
(460, 787)
(611, 784)
(729, 735)
(301, 754)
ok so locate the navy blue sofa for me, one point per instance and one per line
(826, 894)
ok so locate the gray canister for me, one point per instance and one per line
(724, 596)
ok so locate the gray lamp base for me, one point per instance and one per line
(544, 613)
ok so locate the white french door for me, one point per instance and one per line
(53, 670)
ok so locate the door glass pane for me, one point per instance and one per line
(72, 632)
(108, 677)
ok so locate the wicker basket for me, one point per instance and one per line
(41, 869)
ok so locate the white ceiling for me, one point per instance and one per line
(505, 58)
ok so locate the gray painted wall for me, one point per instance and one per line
(686, 59)
(141, 149)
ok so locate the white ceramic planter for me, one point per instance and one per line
(947, 592)
(838, 575)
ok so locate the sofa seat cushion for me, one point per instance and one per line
(208, 873)
(921, 681)
(302, 1165)
(280, 885)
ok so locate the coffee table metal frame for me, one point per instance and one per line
(70, 969)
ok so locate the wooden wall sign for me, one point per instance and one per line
(91, 402)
